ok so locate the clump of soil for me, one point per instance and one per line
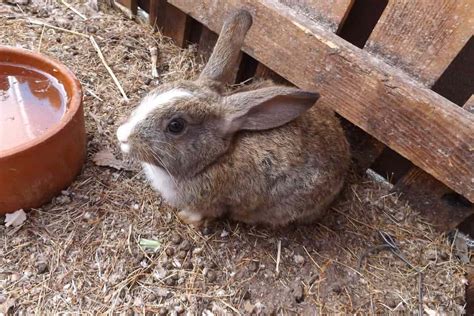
(81, 252)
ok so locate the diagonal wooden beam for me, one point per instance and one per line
(427, 129)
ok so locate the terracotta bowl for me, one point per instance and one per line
(32, 173)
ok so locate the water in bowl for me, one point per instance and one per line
(31, 102)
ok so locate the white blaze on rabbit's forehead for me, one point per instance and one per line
(147, 106)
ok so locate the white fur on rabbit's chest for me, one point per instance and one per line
(161, 181)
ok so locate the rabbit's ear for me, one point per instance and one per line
(266, 108)
(225, 55)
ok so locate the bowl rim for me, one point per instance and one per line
(73, 102)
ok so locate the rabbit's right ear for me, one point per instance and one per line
(225, 55)
(265, 108)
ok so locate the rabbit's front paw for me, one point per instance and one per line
(191, 218)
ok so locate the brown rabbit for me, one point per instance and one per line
(260, 155)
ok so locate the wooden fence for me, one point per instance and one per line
(378, 64)
(399, 72)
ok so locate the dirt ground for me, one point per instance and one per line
(81, 253)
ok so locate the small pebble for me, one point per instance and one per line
(298, 291)
(14, 277)
(206, 231)
(161, 292)
(299, 259)
(253, 266)
(246, 295)
(91, 29)
(197, 251)
(170, 282)
(185, 245)
(42, 267)
(188, 265)
(179, 309)
(176, 239)
(224, 233)
(169, 251)
(182, 254)
(63, 199)
(139, 257)
(211, 276)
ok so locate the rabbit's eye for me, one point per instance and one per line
(176, 126)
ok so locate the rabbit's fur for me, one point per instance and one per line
(262, 155)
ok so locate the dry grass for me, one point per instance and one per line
(80, 253)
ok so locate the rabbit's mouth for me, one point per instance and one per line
(141, 154)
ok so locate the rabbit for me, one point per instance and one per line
(262, 155)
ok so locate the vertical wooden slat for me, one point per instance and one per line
(171, 21)
(130, 5)
(422, 37)
(157, 13)
(176, 25)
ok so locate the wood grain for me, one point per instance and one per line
(434, 200)
(171, 21)
(131, 5)
(422, 37)
(329, 13)
(432, 132)
(156, 14)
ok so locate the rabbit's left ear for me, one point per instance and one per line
(266, 108)
(225, 56)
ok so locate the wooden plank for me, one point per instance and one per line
(432, 132)
(156, 13)
(176, 25)
(434, 200)
(330, 13)
(422, 37)
(171, 21)
(131, 5)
